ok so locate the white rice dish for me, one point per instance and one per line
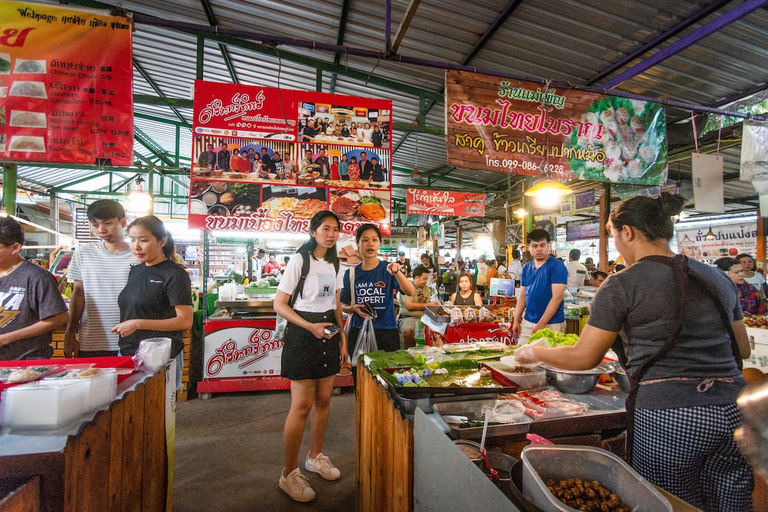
(197, 207)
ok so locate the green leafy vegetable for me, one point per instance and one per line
(556, 339)
(240, 190)
(5, 65)
(370, 200)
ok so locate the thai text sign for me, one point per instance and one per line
(266, 160)
(519, 127)
(66, 85)
(238, 349)
(730, 240)
(582, 230)
(444, 203)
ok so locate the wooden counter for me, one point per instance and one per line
(385, 444)
(116, 462)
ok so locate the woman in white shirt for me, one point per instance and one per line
(366, 133)
(754, 278)
(311, 355)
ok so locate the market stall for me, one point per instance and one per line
(111, 456)
(386, 435)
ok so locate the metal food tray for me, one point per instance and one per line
(506, 386)
(409, 405)
(253, 306)
(469, 409)
(432, 313)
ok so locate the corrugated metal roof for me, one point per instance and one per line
(571, 40)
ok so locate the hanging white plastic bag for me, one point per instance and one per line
(754, 155)
(366, 341)
(152, 355)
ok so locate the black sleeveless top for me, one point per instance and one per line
(461, 301)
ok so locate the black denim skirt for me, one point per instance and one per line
(307, 357)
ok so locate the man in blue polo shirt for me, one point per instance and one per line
(541, 290)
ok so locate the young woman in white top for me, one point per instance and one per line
(311, 357)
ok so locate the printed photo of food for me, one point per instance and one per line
(221, 198)
(30, 66)
(361, 205)
(304, 202)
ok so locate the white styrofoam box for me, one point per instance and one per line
(103, 388)
(758, 341)
(45, 404)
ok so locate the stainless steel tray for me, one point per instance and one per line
(469, 408)
(432, 313)
(409, 405)
(253, 306)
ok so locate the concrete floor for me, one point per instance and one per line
(229, 454)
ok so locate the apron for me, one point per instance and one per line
(680, 274)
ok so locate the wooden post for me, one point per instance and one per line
(761, 232)
(459, 235)
(605, 212)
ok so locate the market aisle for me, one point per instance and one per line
(229, 453)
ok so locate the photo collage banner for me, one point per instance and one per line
(267, 160)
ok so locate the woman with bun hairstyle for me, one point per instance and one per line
(311, 353)
(684, 341)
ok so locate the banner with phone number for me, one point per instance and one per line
(267, 160)
(66, 85)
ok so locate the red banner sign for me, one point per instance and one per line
(266, 160)
(444, 203)
(66, 85)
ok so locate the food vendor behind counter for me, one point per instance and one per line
(685, 342)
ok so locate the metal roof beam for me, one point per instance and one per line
(495, 26)
(223, 49)
(361, 76)
(112, 169)
(154, 86)
(153, 147)
(60, 188)
(404, 171)
(741, 95)
(340, 40)
(659, 39)
(735, 14)
(410, 12)
(146, 99)
(497, 23)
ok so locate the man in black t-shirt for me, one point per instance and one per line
(309, 131)
(223, 157)
(269, 164)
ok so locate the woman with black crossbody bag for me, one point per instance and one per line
(313, 349)
(684, 339)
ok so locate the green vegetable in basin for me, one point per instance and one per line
(556, 339)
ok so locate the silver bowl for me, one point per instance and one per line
(576, 383)
(620, 378)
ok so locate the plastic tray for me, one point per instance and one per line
(45, 404)
(536, 378)
(542, 463)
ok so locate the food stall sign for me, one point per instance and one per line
(239, 349)
(579, 204)
(66, 86)
(521, 127)
(730, 240)
(444, 203)
(258, 165)
(434, 228)
(502, 287)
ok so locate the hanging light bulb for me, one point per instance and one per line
(710, 235)
(548, 193)
(138, 200)
(520, 212)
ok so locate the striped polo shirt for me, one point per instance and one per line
(104, 275)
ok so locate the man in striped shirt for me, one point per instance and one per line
(99, 272)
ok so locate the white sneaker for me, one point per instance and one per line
(322, 465)
(296, 486)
